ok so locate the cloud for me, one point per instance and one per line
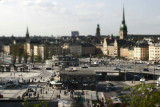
(40, 5)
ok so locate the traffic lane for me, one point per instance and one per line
(107, 95)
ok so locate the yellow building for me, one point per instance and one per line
(112, 47)
(154, 51)
(141, 52)
(7, 49)
(131, 54)
(124, 52)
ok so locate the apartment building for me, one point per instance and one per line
(154, 52)
(141, 52)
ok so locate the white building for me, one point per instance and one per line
(154, 52)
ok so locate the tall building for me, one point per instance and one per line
(74, 33)
(154, 52)
(123, 28)
(141, 51)
(98, 31)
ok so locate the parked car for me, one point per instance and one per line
(145, 69)
(84, 67)
(110, 84)
(1, 96)
(36, 68)
(49, 68)
(116, 68)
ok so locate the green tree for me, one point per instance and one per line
(13, 53)
(32, 55)
(51, 51)
(67, 51)
(19, 52)
(46, 56)
(39, 59)
(25, 56)
(143, 95)
(25, 103)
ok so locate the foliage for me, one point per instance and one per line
(32, 55)
(38, 59)
(13, 59)
(67, 51)
(25, 56)
(46, 55)
(144, 95)
(76, 56)
(19, 52)
(25, 103)
(51, 51)
(119, 57)
(13, 53)
(16, 51)
(103, 56)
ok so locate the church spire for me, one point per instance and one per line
(98, 31)
(123, 21)
(123, 28)
(27, 35)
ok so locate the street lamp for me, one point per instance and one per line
(134, 69)
(154, 73)
(124, 73)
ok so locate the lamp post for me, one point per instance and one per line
(154, 73)
(124, 74)
(134, 69)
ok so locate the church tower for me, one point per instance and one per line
(27, 36)
(98, 31)
(123, 28)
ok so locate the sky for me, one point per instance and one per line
(60, 17)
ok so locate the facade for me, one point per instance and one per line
(88, 49)
(76, 49)
(131, 54)
(112, 47)
(63, 61)
(124, 52)
(39, 50)
(108, 45)
(141, 52)
(154, 52)
(7, 49)
(82, 49)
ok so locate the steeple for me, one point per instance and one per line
(98, 31)
(123, 21)
(123, 28)
(27, 35)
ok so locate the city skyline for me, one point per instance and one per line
(61, 17)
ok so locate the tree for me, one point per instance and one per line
(142, 95)
(25, 56)
(32, 55)
(39, 58)
(67, 51)
(19, 52)
(51, 51)
(25, 103)
(13, 54)
(46, 52)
